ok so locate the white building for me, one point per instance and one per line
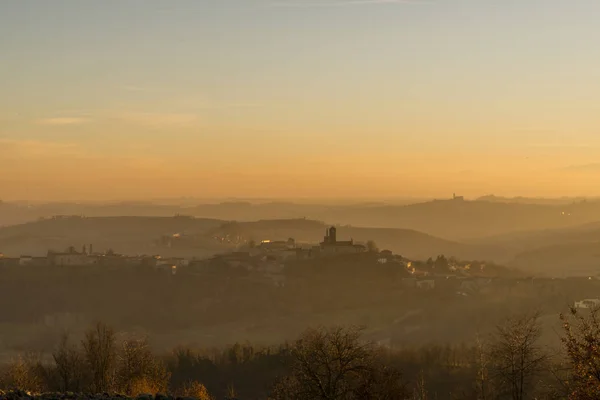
(587, 303)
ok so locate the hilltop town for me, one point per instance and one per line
(267, 257)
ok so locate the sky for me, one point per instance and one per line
(130, 99)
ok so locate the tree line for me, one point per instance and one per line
(330, 364)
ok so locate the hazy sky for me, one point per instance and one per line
(133, 98)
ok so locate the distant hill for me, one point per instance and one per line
(561, 260)
(455, 220)
(534, 200)
(554, 252)
(123, 234)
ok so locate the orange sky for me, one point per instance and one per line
(252, 98)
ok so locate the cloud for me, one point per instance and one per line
(342, 3)
(63, 121)
(593, 167)
(159, 119)
(34, 148)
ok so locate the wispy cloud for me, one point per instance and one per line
(342, 3)
(63, 121)
(37, 148)
(144, 89)
(592, 167)
(159, 119)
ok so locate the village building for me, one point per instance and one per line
(71, 257)
(331, 246)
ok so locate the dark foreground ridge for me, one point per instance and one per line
(23, 395)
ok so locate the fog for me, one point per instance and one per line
(205, 276)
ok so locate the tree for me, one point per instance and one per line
(420, 392)
(100, 351)
(139, 371)
(69, 362)
(26, 372)
(441, 262)
(481, 363)
(332, 364)
(517, 357)
(194, 389)
(372, 247)
(231, 393)
(582, 343)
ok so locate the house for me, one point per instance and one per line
(587, 303)
(25, 260)
(425, 284)
(278, 245)
(9, 262)
(386, 254)
(176, 261)
(70, 258)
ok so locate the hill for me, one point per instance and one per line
(561, 260)
(138, 235)
(123, 234)
(455, 220)
(554, 252)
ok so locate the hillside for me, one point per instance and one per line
(561, 260)
(123, 234)
(454, 220)
(553, 252)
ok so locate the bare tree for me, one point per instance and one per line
(139, 371)
(231, 393)
(69, 363)
(23, 373)
(582, 344)
(194, 389)
(100, 351)
(481, 363)
(332, 364)
(420, 392)
(517, 358)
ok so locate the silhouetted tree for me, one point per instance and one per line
(335, 364)
(441, 262)
(517, 357)
(483, 388)
(100, 351)
(23, 373)
(70, 364)
(195, 390)
(139, 371)
(372, 247)
(582, 343)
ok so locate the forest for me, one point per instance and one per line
(326, 363)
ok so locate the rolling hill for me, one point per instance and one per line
(572, 251)
(129, 235)
(455, 220)
(135, 235)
